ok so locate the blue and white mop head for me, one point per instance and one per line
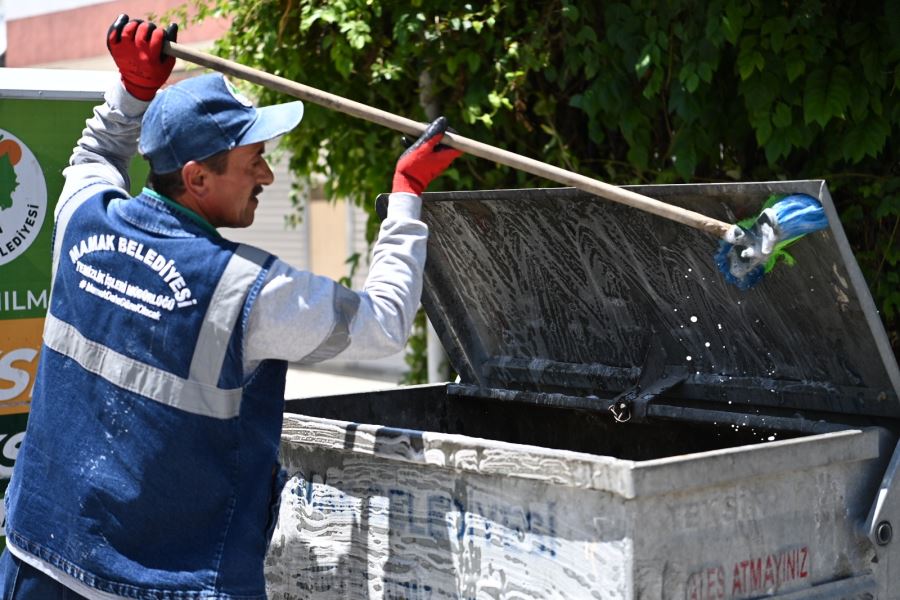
(751, 248)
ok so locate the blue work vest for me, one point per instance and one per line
(149, 468)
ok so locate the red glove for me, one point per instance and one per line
(424, 160)
(137, 48)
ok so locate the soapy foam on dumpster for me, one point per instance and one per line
(561, 277)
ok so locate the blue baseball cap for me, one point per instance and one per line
(202, 116)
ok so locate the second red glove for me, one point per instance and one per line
(424, 160)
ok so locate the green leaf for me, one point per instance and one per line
(888, 206)
(763, 128)
(778, 146)
(685, 161)
(638, 156)
(692, 82)
(733, 21)
(782, 117)
(686, 106)
(795, 66)
(571, 12)
(632, 121)
(759, 91)
(654, 84)
(891, 305)
(870, 60)
(776, 29)
(859, 103)
(865, 138)
(749, 61)
(474, 61)
(827, 94)
(586, 35)
(853, 214)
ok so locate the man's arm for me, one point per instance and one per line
(304, 318)
(107, 144)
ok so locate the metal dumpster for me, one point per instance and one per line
(625, 424)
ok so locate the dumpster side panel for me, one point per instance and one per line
(756, 537)
(374, 512)
(358, 526)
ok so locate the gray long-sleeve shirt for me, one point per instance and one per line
(294, 317)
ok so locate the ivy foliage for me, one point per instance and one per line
(627, 92)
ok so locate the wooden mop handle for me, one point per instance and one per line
(469, 146)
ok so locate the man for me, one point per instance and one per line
(149, 468)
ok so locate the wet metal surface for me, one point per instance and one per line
(554, 290)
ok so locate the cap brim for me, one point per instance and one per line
(273, 121)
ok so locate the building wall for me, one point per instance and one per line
(79, 34)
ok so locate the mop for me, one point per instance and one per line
(747, 250)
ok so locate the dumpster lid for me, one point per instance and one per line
(555, 291)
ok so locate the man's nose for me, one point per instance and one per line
(266, 176)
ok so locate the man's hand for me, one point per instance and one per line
(137, 48)
(424, 160)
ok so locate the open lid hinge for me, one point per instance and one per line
(656, 379)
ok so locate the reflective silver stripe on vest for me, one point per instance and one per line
(141, 378)
(222, 315)
(345, 304)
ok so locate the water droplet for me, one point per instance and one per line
(693, 319)
(719, 325)
(771, 438)
(706, 344)
(688, 357)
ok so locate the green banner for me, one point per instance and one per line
(36, 140)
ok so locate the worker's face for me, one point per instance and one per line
(234, 192)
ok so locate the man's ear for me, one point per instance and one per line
(195, 178)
